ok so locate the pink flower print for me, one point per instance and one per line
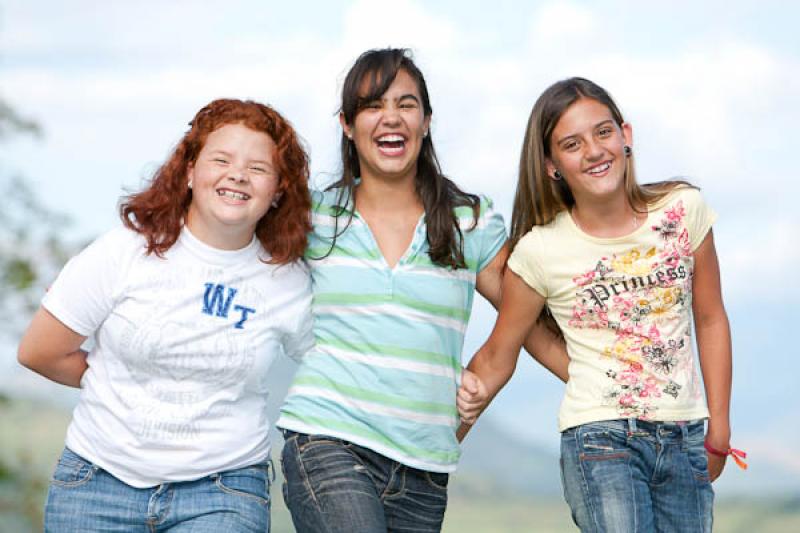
(676, 213)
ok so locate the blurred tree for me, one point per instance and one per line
(31, 254)
(31, 249)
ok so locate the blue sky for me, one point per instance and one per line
(710, 88)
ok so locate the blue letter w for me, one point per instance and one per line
(215, 297)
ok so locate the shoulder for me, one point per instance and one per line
(683, 195)
(119, 241)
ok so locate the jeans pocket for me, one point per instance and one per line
(249, 482)
(306, 442)
(698, 461)
(72, 470)
(437, 480)
(597, 443)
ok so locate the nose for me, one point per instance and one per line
(593, 150)
(391, 115)
(237, 174)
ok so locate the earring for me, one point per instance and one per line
(425, 133)
(557, 175)
(627, 150)
(276, 199)
(190, 184)
(350, 136)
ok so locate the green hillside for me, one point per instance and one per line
(503, 486)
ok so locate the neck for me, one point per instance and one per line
(234, 239)
(388, 195)
(611, 218)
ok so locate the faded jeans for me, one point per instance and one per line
(84, 497)
(631, 475)
(335, 486)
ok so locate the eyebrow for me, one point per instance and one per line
(602, 122)
(228, 154)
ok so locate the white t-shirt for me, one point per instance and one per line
(176, 385)
(624, 305)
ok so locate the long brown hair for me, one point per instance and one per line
(439, 195)
(539, 198)
(158, 211)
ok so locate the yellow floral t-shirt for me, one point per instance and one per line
(624, 305)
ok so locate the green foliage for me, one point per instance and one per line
(31, 248)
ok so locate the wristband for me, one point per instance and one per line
(738, 455)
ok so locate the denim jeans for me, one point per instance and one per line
(84, 497)
(334, 486)
(633, 475)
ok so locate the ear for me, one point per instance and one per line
(189, 174)
(550, 167)
(347, 129)
(426, 125)
(627, 133)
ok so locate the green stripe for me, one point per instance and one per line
(406, 353)
(377, 397)
(422, 454)
(348, 299)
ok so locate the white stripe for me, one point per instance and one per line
(366, 406)
(385, 361)
(329, 221)
(348, 261)
(389, 310)
(461, 274)
(392, 453)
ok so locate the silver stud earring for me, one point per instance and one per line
(627, 150)
(190, 184)
(557, 175)
(425, 134)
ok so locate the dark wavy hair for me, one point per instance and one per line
(376, 70)
(158, 211)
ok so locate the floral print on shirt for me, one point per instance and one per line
(641, 295)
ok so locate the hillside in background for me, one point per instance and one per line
(502, 486)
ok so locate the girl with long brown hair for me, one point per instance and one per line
(623, 270)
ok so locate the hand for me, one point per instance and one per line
(472, 397)
(715, 465)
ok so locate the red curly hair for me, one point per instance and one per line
(158, 211)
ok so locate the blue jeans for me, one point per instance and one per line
(633, 475)
(84, 497)
(334, 486)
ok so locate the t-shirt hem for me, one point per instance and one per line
(145, 482)
(389, 453)
(663, 416)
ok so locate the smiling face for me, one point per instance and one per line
(587, 148)
(233, 184)
(388, 132)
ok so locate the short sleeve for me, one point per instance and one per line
(699, 216)
(298, 329)
(524, 262)
(82, 295)
(492, 233)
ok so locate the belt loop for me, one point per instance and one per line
(632, 426)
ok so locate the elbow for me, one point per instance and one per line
(25, 357)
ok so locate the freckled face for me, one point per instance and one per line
(587, 148)
(388, 132)
(233, 184)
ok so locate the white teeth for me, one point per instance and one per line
(233, 194)
(390, 138)
(601, 168)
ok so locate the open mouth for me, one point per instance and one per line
(600, 169)
(391, 144)
(233, 195)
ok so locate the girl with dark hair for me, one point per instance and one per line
(396, 254)
(622, 270)
(188, 304)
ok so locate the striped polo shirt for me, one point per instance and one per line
(385, 368)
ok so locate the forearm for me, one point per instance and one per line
(548, 350)
(66, 370)
(714, 346)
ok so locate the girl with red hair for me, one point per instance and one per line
(187, 305)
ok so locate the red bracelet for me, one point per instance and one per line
(738, 455)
